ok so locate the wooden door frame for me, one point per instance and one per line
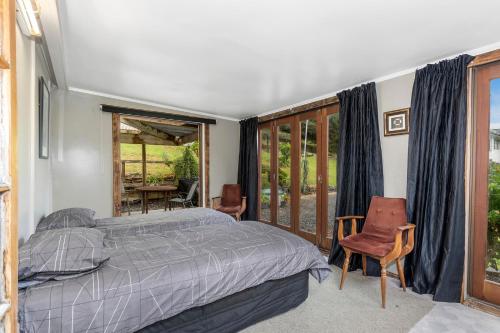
(478, 286)
(325, 242)
(203, 158)
(320, 115)
(9, 189)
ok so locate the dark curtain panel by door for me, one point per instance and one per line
(435, 184)
(247, 165)
(359, 167)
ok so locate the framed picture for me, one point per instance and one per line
(43, 118)
(397, 122)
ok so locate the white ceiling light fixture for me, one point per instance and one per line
(26, 14)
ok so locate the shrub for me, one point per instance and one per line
(186, 166)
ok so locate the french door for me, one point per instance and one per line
(297, 169)
(485, 228)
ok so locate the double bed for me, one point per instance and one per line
(192, 270)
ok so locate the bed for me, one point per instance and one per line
(190, 270)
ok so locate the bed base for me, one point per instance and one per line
(238, 311)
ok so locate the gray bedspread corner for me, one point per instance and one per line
(155, 272)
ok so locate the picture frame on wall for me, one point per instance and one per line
(397, 122)
(43, 118)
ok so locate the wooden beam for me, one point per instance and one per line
(299, 109)
(117, 186)
(207, 164)
(159, 121)
(146, 139)
(485, 58)
(157, 115)
(144, 165)
(188, 138)
(148, 129)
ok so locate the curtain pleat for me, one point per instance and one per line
(359, 165)
(248, 165)
(435, 179)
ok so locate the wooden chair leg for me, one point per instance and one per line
(383, 277)
(401, 274)
(345, 267)
(363, 257)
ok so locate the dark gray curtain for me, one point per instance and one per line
(435, 184)
(359, 165)
(247, 165)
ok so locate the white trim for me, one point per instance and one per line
(473, 52)
(158, 105)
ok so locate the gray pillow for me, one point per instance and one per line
(60, 252)
(68, 218)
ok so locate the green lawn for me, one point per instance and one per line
(332, 168)
(153, 153)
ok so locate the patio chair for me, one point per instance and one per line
(125, 197)
(386, 236)
(230, 202)
(185, 201)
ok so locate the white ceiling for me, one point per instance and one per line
(238, 58)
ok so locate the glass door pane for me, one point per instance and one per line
(284, 172)
(265, 174)
(331, 169)
(308, 164)
(493, 233)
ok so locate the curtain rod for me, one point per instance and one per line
(155, 114)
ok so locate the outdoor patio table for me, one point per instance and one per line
(145, 190)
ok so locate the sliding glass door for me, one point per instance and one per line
(265, 173)
(330, 145)
(298, 173)
(284, 174)
(485, 247)
(309, 205)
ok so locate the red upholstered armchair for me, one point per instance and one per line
(230, 202)
(386, 236)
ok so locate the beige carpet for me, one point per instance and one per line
(354, 309)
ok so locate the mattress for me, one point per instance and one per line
(157, 270)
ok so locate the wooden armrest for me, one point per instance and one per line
(408, 247)
(243, 205)
(216, 202)
(406, 227)
(350, 217)
(341, 219)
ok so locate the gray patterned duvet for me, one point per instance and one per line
(155, 273)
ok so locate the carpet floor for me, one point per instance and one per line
(357, 308)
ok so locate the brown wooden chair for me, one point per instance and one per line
(386, 236)
(230, 202)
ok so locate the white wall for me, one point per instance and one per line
(392, 95)
(35, 186)
(82, 169)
